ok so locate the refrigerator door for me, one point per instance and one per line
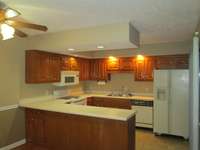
(161, 102)
(178, 103)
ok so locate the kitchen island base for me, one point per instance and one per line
(60, 131)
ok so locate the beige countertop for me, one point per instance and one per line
(50, 103)
(91, 111)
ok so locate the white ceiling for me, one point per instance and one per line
(157, 20)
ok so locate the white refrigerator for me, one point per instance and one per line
(171, 104)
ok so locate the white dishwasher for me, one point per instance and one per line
(144, 115)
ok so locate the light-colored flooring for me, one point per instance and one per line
(145, 140)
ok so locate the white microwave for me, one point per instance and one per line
(68, 78)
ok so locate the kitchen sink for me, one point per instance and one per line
(77, 102)
(120, 95)
(69, 97)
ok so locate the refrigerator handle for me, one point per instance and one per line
(161, 93)
(158, 94)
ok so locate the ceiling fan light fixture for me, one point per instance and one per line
(10, 13)
(7, 31)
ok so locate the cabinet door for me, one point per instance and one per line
(102, 70)
(165, 62)
(55, 67)
(42, 67)
(126, 64)
(172, 62)
(144, 69)
(70, 63)
(74, 63)
(84, 69)
(94, 72)
(35, 127)
(32, 67)
(109, 102)
(98, 70)
(55, 127)
(65, 64)
(113, 64)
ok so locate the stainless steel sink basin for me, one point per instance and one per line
(120, 95)
(69, 97)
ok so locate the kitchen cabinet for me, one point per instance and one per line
(53, 130)
(84, 69)
(172, 62)
(70, 63)
(113, 64)
(98, 70)
(126, 64)
(109, 102)
(35, 127)
(143, 69)
(42, 67)
(65, 65)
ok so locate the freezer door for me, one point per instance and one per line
(179, 103)
(161, 105)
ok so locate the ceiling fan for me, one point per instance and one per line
(10, 26)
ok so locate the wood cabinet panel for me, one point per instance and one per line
(109, 102)
(126, 64)
(65, 65)
(74, 132)
(35, 127)
(143, 69)
(172, 62)
(113, 64)
(84, 69)
(70, 63)
(42, 67)
(98, 70)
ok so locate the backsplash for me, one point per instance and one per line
(118, 81)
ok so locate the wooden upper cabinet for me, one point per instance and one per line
(126, 64)
(42, 67)
(70, 63)
(172, 62)
(143, 69)
(113, 64)
(84, 69)
(98, 70)
(65, 65)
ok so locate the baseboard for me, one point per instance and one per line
(14, 145)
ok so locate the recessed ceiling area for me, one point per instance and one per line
(157, 21)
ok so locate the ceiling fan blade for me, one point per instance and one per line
(21, 24)
(20, 33)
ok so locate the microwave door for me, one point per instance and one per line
(69, 80)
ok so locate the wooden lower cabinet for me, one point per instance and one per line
(64, 131)
(35, 127)
(109, 102)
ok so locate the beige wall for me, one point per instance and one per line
(118, 80)
(13, 88)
